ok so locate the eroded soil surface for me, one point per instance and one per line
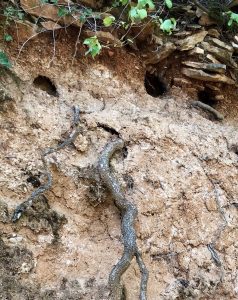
(180, 169)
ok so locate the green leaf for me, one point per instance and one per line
(8, 38)
(144, 3)
(4, 61)
(94, 47)
(169, 3)
(168, 25)
(142, 13)
(62, 12)
(108, 21)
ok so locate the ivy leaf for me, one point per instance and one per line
(168, 25)
(124, 2)
(108, 21)
(137, 14)
(233, 18)
(169, 3)
(62, 12)
(144, 3)
(142, 13)
(4, 61)
(8, 38)
(94, 47)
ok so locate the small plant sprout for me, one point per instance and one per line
(108, 21)
(4, 61)
(169, 3)
(94, 46)
(233, 17)
(168, 25)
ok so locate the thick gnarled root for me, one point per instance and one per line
(129, 214)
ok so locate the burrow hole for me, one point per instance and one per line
(154, 85)
(45, 84)
(234, 148)
(207, 96)
(234, 9)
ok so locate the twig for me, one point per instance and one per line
(129, 214)
(204, 106)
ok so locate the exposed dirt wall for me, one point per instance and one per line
(180, 171)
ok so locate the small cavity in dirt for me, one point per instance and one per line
(207, 96)
(154, 85)
(45, 84)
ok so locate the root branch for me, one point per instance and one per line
(129, 214)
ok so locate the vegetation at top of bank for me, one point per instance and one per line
(123, 20)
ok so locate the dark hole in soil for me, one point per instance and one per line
(154, 86)
(125, 152)
(34, 181)
(234, 9)
(45, 84)
(108, 129)
(207, 97)
(234, 148)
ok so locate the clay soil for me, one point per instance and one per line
(180, 170)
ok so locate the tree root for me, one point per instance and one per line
(204, 106)
(21, 208)
(129, 214)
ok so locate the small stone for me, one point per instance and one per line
(236, 39)
(211, 204)
(235, 47)
(111, 53)
(201, 75)
(81, 143)
(212, 59)
(219, 97)
(196, 51)
(181, 82)
(214, 32)
(191, 41)
(221, 44)
(16, 240)
(50, 25)
(162, 53)
(212, 87)
(216, 68)
(221, 54)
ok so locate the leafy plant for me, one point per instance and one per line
(169, 3)
(94, 46)
(233, 17)
(13, 13)
(4, 61)
(8, 37)
(108, 21)
(139, 12)
(63, 11)
(168, 25)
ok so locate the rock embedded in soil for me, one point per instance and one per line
(201, 75)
